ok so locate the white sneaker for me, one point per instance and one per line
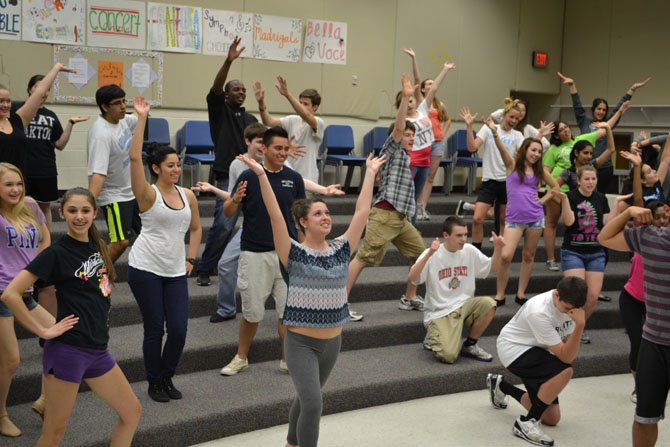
(415, 303)
(531, 432)
(236, 365)
(477, 353)
(355, 316)
(283, 367)
(498, 398)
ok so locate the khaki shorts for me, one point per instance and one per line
(258, 278)
(445, 334)
(386, 226)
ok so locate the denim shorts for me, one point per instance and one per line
(539, 225)
(437, 148)
(27, 300)
(591, 262)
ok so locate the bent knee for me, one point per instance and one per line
(131, 412)
(10, 364)
(445, 356)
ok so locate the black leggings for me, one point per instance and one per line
(632, 312)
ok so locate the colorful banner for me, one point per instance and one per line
(174, 28)
(277, 38)
(325, 42)
(10, 20)
(221, 27)
(122, 25)
(54, 21)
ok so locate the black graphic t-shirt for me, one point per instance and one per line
(582, 235)
(42, 132)
(82, 289)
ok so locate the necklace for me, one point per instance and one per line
(270, 170)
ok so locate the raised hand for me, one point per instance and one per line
(546, 128)
(491, 125)
(141, 106)
(449, 65)
(410, 52)
(633, 158)
(374, 163)
(468, 117)
(259, 93)
(233, 51)
(202, 187)
(60, 327)
(407, 87)
(498, 241)
(624, 107)
(641, 216)
(252, 164)
(618, 199)
(296, 151)
(638, 85)
(566, 80)
(334, 190)
(282, 87)
(601, 124)
(434, 246)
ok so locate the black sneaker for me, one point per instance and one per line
(170, 390)
(157, 392)
(216, 318)
(203, 279)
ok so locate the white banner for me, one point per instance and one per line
(174, 28)
(56, 21)
(277, 38)
(325, 42)
(122, 25)
(221, 27)
(10, 20)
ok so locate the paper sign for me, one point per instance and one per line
(80, 64)
(54, 21)
(277, 38)
(110, 72)
(221, 27)
(325, 42)
(10, 20)
(174, 28)
(119, 25)
(141, 75)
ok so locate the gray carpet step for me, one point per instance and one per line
(211, 345)
(214, 406)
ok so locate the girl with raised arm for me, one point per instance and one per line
(158, 264)
(316, 307)
(76, 346)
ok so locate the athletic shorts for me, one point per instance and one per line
(492, 191)
(259, 277)
(27, 300)
(122, 219)
(535, 367)
(652, 381)
(74, 364)
(386, 226)
(42, 189)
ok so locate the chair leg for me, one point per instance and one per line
(360, 186)
(347, 181)
(338, 173)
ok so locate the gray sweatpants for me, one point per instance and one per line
(310, 361)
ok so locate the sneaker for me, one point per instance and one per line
(170, 390)
(553, 266)
(459, 207)
(426, 345)
(39, 405)
(203, 279)
(421, 213)
(585, 338)
(157, 392)
(415, 303)
(498, 398)
(477, 353)
(236, 365)
(531, 432)
(355, 316)
(633, 397)
(216, 318)
(283, 367)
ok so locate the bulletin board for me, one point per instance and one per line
(137, 72)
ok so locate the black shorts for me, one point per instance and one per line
(535, 367)
(652, 380)
(122, 219)
(42, 189)
(492, 191)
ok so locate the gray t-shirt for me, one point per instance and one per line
(108, 154)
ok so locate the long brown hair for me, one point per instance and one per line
(20, 215)
(93, 233)
(436, 104)
(520, 162)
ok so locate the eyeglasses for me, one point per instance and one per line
(117, 102)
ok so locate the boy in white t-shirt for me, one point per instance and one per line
(538, 345)
(304, 129)
(449, 270)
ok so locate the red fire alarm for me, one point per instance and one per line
(539, 59)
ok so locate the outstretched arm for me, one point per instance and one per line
(222, 74)
(417, 76)
(664, 162)
(28, 110)
(507, 158)
(469, 119)
(407, 91)
(302, 111)
(208, 187)
(364, 202)
(438, 81)
(267, 119)
(67, 132)
(143, 192)
(607, 153)
(615, 118)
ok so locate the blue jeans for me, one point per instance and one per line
(163, 302)
(218, 236)
(225, 298)
(419, 175)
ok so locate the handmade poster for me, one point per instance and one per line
(54, 21)
(110, 72)
(325, 42)
(277, 38)
(118, 24)
(10, 20)
(81, 75)
(221, 27)
(174, 28)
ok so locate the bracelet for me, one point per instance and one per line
(262, 173)
(71, 121)
(190, 261)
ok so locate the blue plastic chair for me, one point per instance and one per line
(374, 140)
(195, 145)
(158, 131)
(458, 144)
(337, 149)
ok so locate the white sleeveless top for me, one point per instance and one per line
(160, 247)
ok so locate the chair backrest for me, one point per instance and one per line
(378, 137)
(194, 138)
(338, 139)
(458, 143)
(158, 132)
